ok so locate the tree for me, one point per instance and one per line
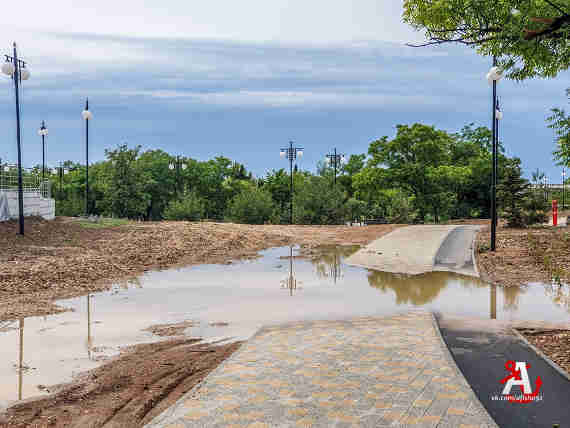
(317, 201)
(560, 122)
(530, 37)
(511, 193)
(252, 206)
(126, 193)
(417, 160)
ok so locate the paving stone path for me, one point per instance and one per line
(365, 372)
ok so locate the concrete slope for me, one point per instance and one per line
(457, 252)
(410, 250)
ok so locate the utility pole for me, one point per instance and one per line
(291, 154)
(335, 160)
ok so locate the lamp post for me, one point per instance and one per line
(87, 116)
(177, 165)
(291, 154)
(493, 76)
(335, 160)
(563, 188)
(17, 70)
(43, 132)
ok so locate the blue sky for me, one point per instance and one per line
(241, 80)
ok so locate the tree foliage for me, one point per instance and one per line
(530, 37)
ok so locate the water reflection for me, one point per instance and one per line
(493, 304)
(89, 338)
(328, 260)
(21, 359)
(559, 293)
(290, 282)
(415, 289)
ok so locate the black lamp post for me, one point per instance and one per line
(493, 76)
(291, 154)
(87, 116)
(16, 69)
(335, 160)
(43, 132)
(177, 165)
(563, 188)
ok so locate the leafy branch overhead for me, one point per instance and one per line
(530, 37)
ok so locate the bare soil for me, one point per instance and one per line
(61, 258)
(555, 344)
(127, 392)
(522, 256)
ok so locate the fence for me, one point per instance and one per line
(31, 181)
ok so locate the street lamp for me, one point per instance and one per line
(291, 154)
(493, 76)
(87, 116)
(177, 165)
(17, 70)
(335, 160)
(43, 132)
(563, 188)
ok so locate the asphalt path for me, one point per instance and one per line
(481, 355)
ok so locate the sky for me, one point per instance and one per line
(242, 79)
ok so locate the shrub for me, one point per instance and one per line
(190, 208)
(251, 206)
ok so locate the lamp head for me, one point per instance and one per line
(24, 74)
(87, 115)
(282, 153)
(300, 153)
(8, 68)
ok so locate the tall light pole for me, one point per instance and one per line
(493, 76)
(43, 132)
(291, 154)
(177, 165)
(335, 160)
(87, 116)
(16, 69)
(563, 188)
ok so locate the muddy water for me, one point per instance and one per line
(274, 288)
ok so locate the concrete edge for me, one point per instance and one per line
(551, 363)
(441, 241)
(473, 245)
(453, 364)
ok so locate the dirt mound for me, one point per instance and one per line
(126, 392)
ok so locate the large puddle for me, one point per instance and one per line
(274, 288)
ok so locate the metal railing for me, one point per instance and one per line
(31, 181)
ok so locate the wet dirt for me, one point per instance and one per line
(126, 392)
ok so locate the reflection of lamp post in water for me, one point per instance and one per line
(89, 340)
(290, 282)
(493, 301)
(21, 363)
(335, 270)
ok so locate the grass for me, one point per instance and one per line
(103, 223)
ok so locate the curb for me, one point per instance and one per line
(453, 363)
(551, 363)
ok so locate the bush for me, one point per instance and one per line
(251, 206)
(536, 209)
(190, 208)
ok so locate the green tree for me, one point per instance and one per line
(530, 37)
(252, 206)
(126, 195)
(317, 201)
(560, 123)
(418, 161)
(511, 193)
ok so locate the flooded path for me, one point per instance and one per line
(272, 289)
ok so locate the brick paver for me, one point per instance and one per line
(365, 372)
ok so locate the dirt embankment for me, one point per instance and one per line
(125, 393)
(522, 256)
(62, 258)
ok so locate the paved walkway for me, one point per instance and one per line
(366, 372)
(410, 249)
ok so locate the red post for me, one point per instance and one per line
(554, 212)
